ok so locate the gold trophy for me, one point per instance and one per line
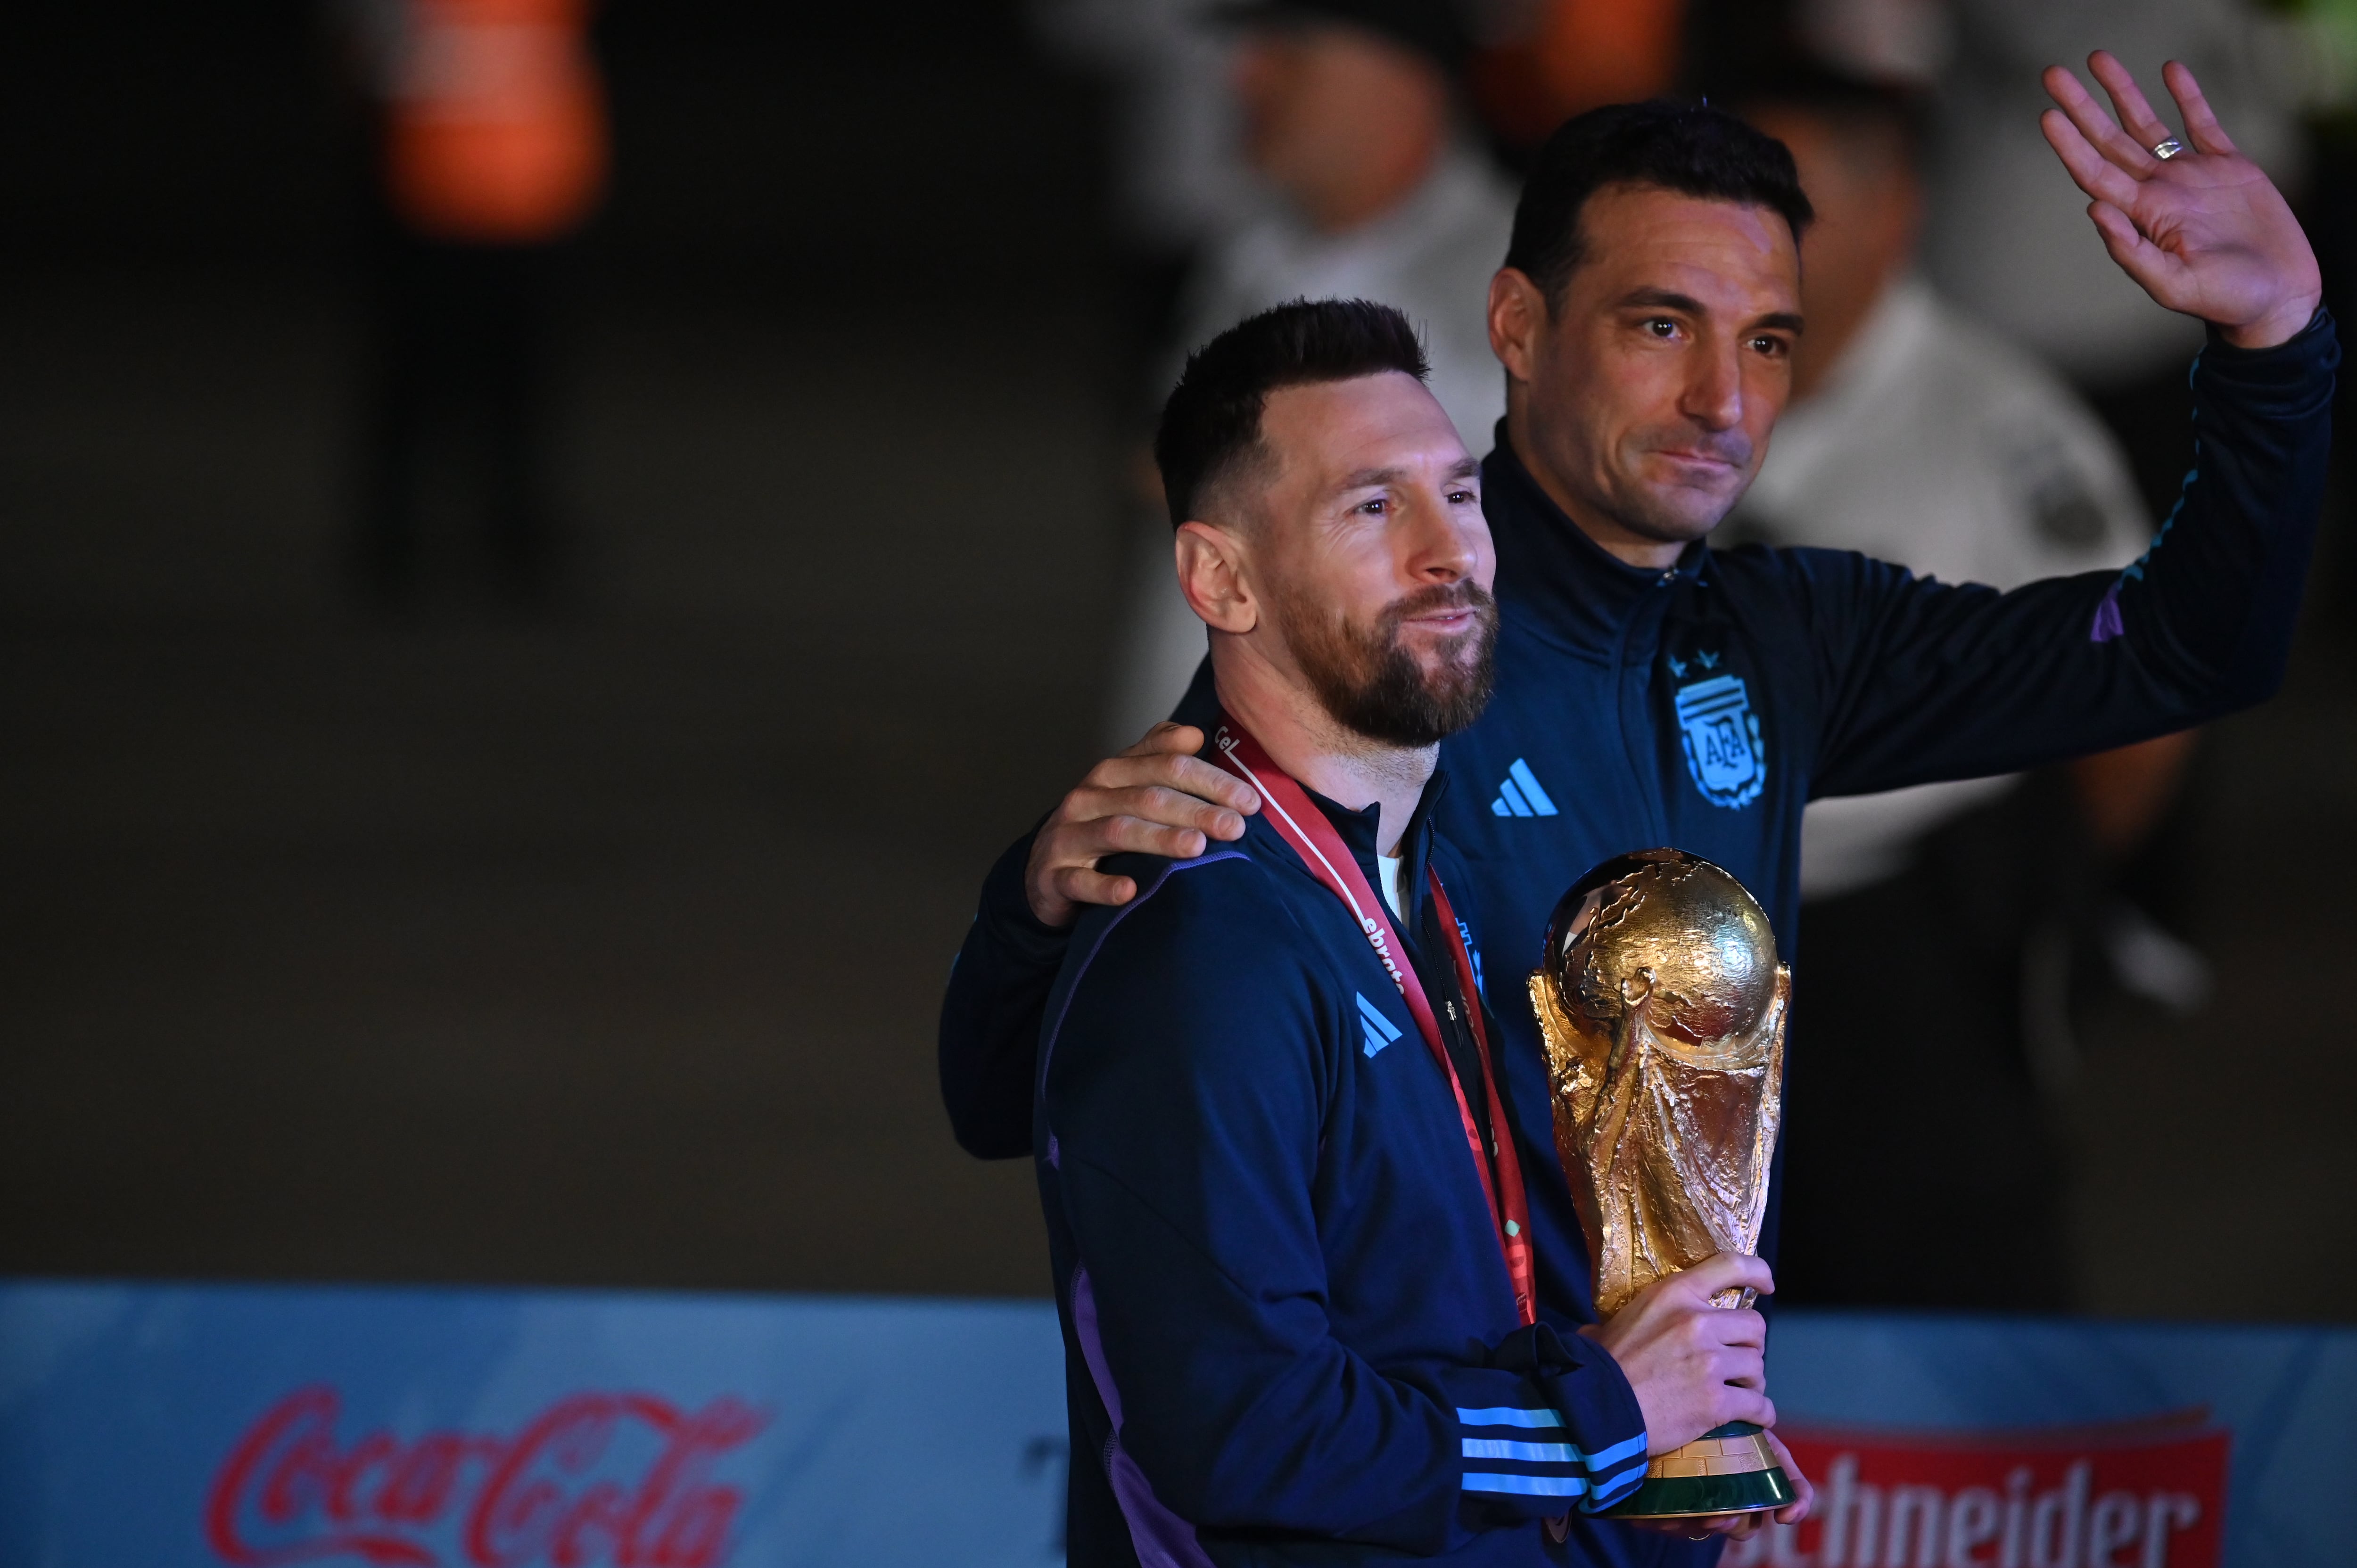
(1664, 1009)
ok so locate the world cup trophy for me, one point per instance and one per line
(1663, 1008)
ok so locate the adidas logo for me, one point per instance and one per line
(1520, 795)
(1380, 1031)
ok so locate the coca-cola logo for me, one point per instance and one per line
(2136, 1495)
(618, 1479)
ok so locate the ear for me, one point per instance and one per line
(1518, 315)
(1212, 564)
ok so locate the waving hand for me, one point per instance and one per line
(2203, 230)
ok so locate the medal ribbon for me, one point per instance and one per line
(1306, 830)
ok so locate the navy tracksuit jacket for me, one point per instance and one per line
(1273, 1253)
(1702, 707)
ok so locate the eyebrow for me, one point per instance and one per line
(1669, 299)
(1465, 468)
(1666, 299)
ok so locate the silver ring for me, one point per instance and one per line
(2167, 149)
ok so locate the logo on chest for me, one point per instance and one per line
(1720, 734)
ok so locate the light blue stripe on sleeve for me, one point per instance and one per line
(1610, 1489)
(1508, 1415)
(1605, 1459)
(1529, 1453)
(1527, 1486)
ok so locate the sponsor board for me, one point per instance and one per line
(2130, 1495)
(174, 1426)
(597, 1477)
(252, 1427)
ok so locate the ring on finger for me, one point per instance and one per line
(2167, 148)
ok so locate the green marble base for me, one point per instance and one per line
(1690, 1496)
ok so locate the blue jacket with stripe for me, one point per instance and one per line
(1290, 1334)
(1702, 707)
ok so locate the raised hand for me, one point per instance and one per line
(2202, 230)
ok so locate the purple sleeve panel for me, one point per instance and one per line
(1163, 1540)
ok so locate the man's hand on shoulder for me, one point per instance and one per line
(1156, 798)
(2203, 230)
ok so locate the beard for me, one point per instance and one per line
(1370, 681)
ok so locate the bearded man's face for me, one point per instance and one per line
(1373, 559)
(1376, 677)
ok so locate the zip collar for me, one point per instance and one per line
(1358, 830)
(1553, 577)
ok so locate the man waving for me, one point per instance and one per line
(1650, 692)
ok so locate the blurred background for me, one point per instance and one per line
(542, 551)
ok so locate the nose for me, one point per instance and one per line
(1714, 390)
(1438, 547)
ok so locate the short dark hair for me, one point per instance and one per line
(1693, 149)
(1212, 423)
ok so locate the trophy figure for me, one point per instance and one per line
(1664, 1009)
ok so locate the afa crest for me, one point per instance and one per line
(1721, 734)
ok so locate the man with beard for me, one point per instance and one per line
(1292, 1249)
(1650, 692)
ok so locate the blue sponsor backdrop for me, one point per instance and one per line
(165, 1425)
(891, 1431)
(2287, 1395)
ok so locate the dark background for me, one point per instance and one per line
(603, 945)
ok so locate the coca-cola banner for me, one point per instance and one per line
(178, 1427)
(244, 1427)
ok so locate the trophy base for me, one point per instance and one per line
(1728, 1469)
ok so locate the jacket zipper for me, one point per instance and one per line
(1656, 814)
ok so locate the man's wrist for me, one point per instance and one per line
(2273, 331)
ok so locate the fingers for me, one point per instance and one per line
(1736, 1330)
(1182, 773)
(2095, 127)
(1805, 1499)
(2154, 269)
(1729, 1271)
(1739, 1361)
(1207, 782)
(1157, 821)
(2089, 170)
(1733, 1403)
(2135, 114)
(1156, 798)
(1171, 806)
(2201, 123)
(1167, 736)
(1079, 884)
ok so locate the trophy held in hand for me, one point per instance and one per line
(1663, 1008)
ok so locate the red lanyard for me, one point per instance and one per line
(1304, 827)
